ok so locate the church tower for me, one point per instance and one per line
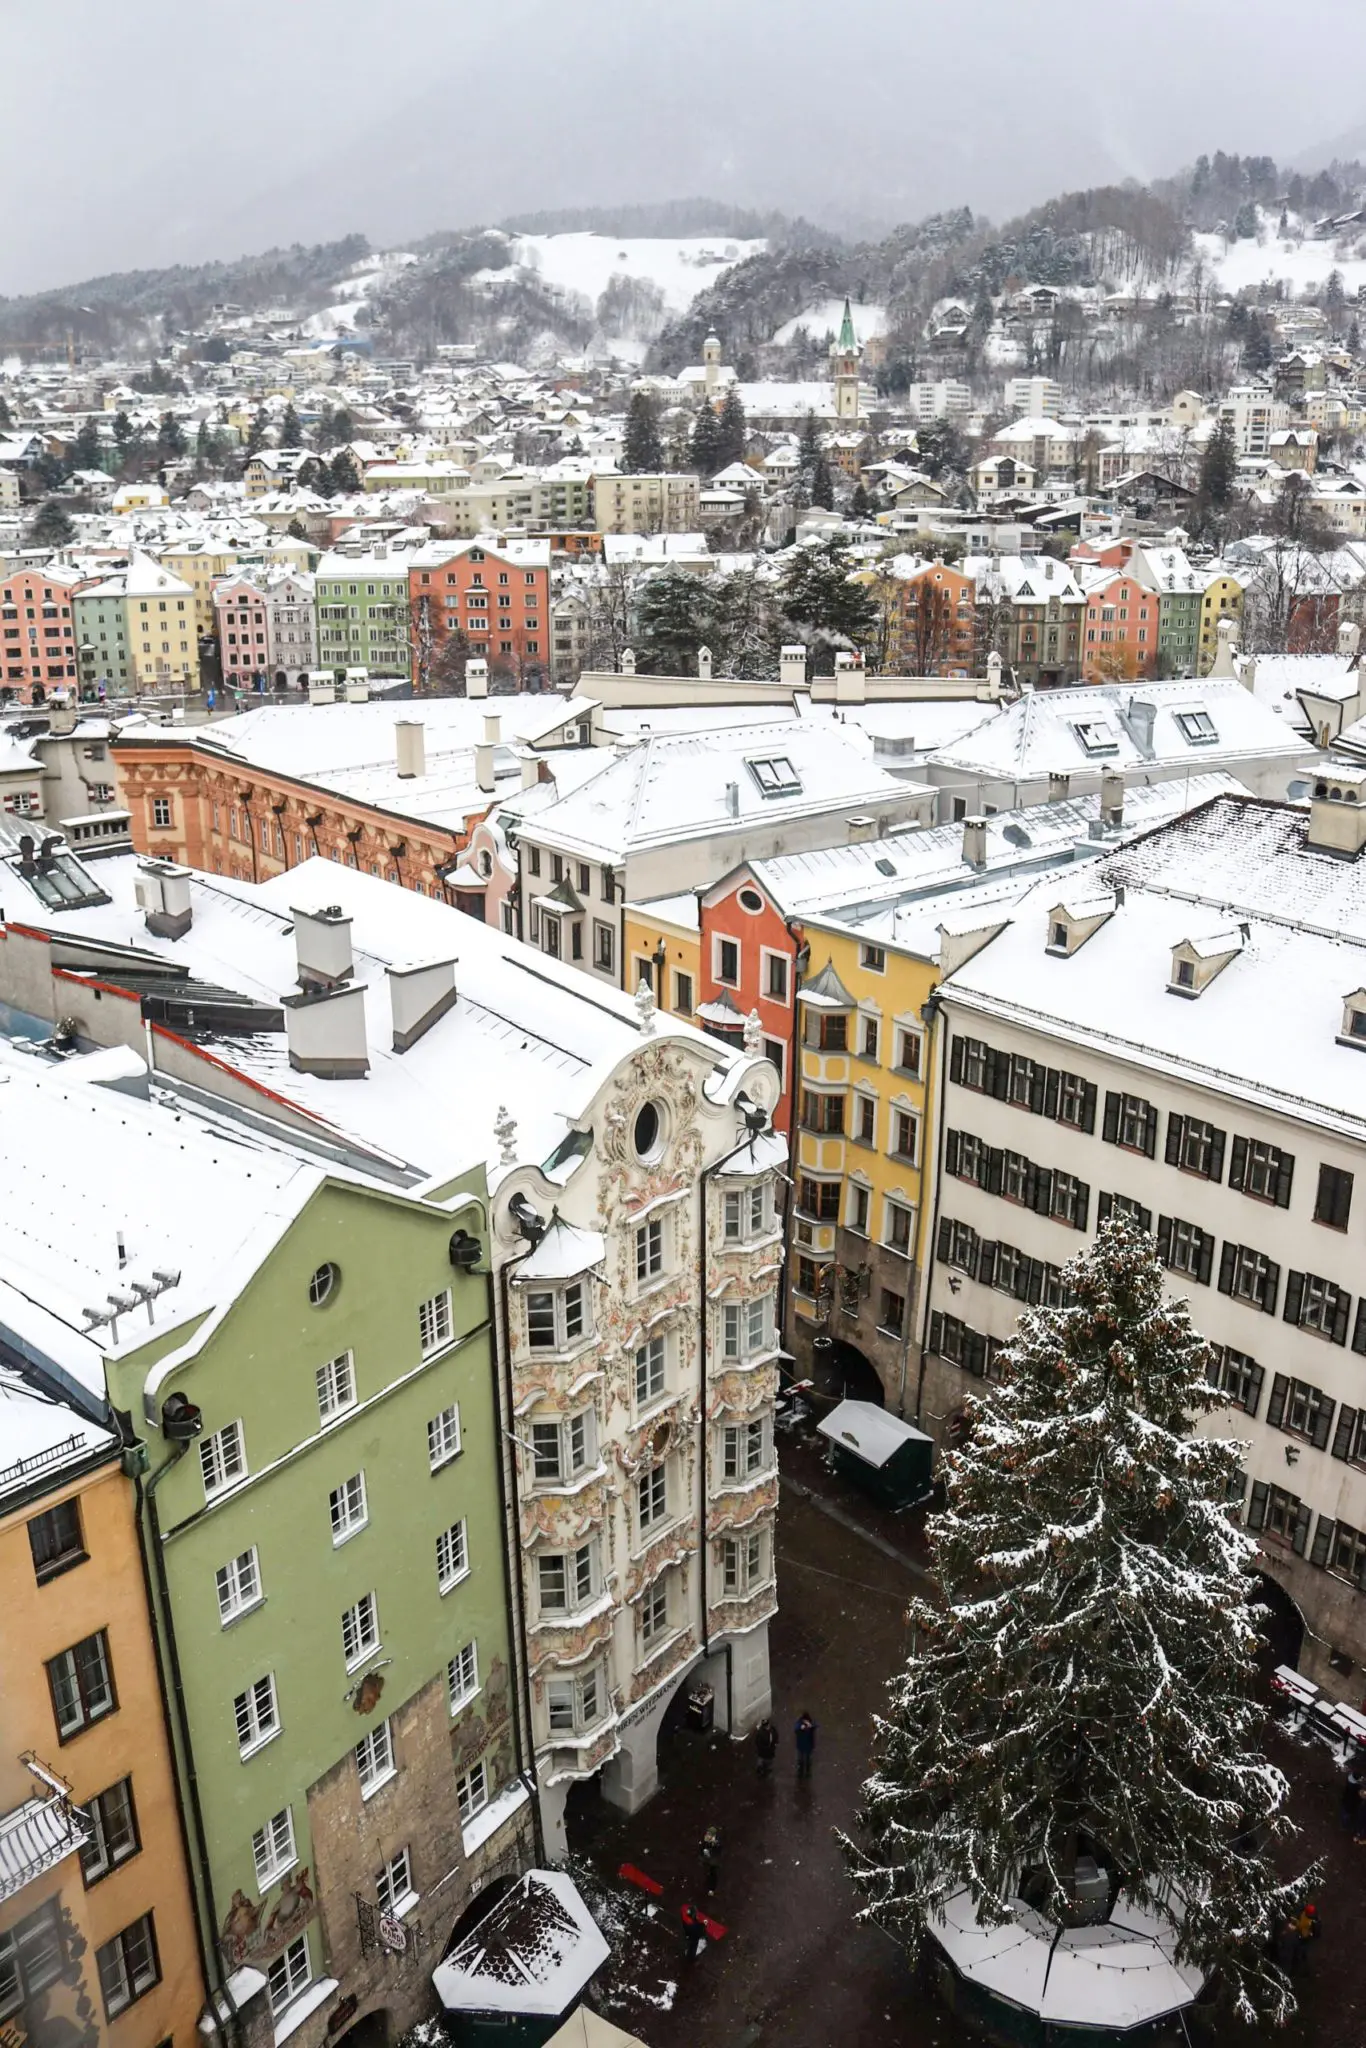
(844, 361)
(711, 364)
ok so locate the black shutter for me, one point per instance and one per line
(1256, 1507)
(1254, 1390)
(1216, 1157)
(1341, 1307)
(945, 1240)
(1176, 1131)
(953, 1151)
(1081, 1204)
(1294, 1297)
(1323, 1422)
(1323, 1536)
(1299, 1535)
(1228, 1259)
(937, 1329)
(975, 1352)
(1164, 1238)
(1204, 1264)
(956, 1059)
(974, 1254)
(1038, 1081)
(995, 1168)
(1345, 1431)
(986, 1262)
(1145, 1220)
(1041, 1189)
(1051, 1086)
(1271, 1288)
(1088, 1108)
(1283, 1180)
(1359, 1329)
(1150, 1130)
(1105, 1202)
(998, 1074)
(1110, 1129)
(1038, 1272)
(1275, 1407)
(1237, 1165)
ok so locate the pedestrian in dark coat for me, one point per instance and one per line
(804, 1735)
(1349, 1805)
(694, 1934)
(765, 1745)
(711, 1856)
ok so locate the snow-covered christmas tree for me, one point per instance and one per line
(1085, 1693)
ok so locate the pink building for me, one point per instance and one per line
(240, 610)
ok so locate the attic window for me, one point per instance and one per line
(885, 866)
(775, 776)
(1096, 736)
(1197, 727)
(1185, 974)
(1353, 1030)
(1057, 936)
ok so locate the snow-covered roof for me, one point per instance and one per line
(564, 1251)
(870, 1432)
(1117, 1975)
(42, 1437)
(532, 1953)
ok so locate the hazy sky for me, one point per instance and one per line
(159, 133)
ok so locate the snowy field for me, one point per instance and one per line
(1302, 265)
(681, 266)
(353, 291)
(825, 319)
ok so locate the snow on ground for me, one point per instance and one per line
(1301, 265)
(353, 290)
(869, 319)
(681, 266)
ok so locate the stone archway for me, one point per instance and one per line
(370, 2031)
(1284, 1624)
(844, 1373)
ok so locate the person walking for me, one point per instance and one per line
(694, 1933)
(765, 1745)
(804, 1735)
(1349, 1804)
(711, 1856)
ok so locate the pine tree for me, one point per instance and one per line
(170, 440)
(85, 451)
(51, 526)
(256, 433)
(1088, 1682)
(676, 615)
(822, 485)
(860, 504)
(809, 446)
(345, 474)
(642, 450)
(817, 592)
(291, 433)
(1218, 467)
(6, 416)
(733, 435)
(705, 447)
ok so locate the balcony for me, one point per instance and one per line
(40, 1834)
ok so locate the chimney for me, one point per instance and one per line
(1222, 666)
(325, 1031)
(322, 947)
(861, 828)
(1059, 787)
(163, 896)
(628, 661)
(733, 799)
(476, 676)
(322, 689)
(1349, 639)
(850, 679)
(411, 743)
(792, 667)
(1337, 812)
(531, 771)
(358, 687)
(483, 754)
(419, 993)
(1111, 799)
(975, 842)
(704, 664)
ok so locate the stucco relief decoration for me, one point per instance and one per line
(556, 1518)
(474, 1734)
(569, 1644)
(739, 1393)
(251, 1935)
(732, 1511)
(673, 1547)
(679, 1652)
(735, 1616)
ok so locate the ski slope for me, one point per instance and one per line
(680, 266)
(1301, 265)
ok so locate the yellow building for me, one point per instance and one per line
(97, 1934)
(661, 945)
(863, 1138)
(163, 640)
(198, 564)
(1223, 600)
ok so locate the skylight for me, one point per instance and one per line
(1197, 727)
(775, 776)
(1096, 736)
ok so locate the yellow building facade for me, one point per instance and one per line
(661, 945)
(1223, 600)
(863, 1156)
(199, 566)
(163, 641)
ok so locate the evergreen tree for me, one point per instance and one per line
(822, 485)
(256, 433)
(809, 446)
(1245, 222)
(345, 475)
(6, 416)
(85, 451)
(170, 438)
(1088, 1682)
(1218, 468)
(203, 447)
(123, 430)
(733, 435)
(643, 451)
(335, 427)
(676, 615)
(860, 504)
(51, 526)
(817, 592)
(291, 433)
(705, 447)
(747, 629)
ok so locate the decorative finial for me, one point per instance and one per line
(645, 1006)
(754, 1033)
(505, 1131)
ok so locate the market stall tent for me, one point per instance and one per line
(516, 1976)
(882, 1454)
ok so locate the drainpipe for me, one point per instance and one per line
(511, 1508)
(794, 1058)
(149, 1532)
(934, 1017)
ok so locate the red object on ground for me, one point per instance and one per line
(635, 1876)
(715, 1931)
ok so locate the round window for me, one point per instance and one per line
(648, 1133)
(324, 1284)
(750, 899)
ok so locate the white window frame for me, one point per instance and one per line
(258, 1706)
(238, 1584)
(720, 940)
(651, 1250)
(575, 1447)
(655, 1352)
(573, 1292)
(223, 1460)
(462, 1677)
(652, 1499)
(582, 1580)
(766, 954)
(348, 1506)
(289, 1975)
(747, 1212)
(435, 1323)
(444, 1441)
(374, 1755)
(336, 1384)
(742, 1322)
(452, 1556)
(746, 1450)
(656, 1617)
(360, 1630)
(472, 1792)
(273, 1849)
(395, 1891)
(575, 1701)
(744, 1564)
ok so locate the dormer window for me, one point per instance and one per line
(1058, 937)
(1197, 727)
(1185, 974)
(1196, 962)
(1353, 1030)
(1070, 925)
(775, 776)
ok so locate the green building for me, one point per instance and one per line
(305, 1363)
(102, 636)
(362, 603)
(1180, 598)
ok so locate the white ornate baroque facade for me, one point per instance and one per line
(639, 1274)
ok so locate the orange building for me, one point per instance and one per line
(497, 596)
(1120, 643)
(97, 1931)
(37, 634)
(936, 623)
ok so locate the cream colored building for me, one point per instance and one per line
(198, 563)
(661, 503)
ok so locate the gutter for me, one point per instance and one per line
(510, 1507)
(938, 1024)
